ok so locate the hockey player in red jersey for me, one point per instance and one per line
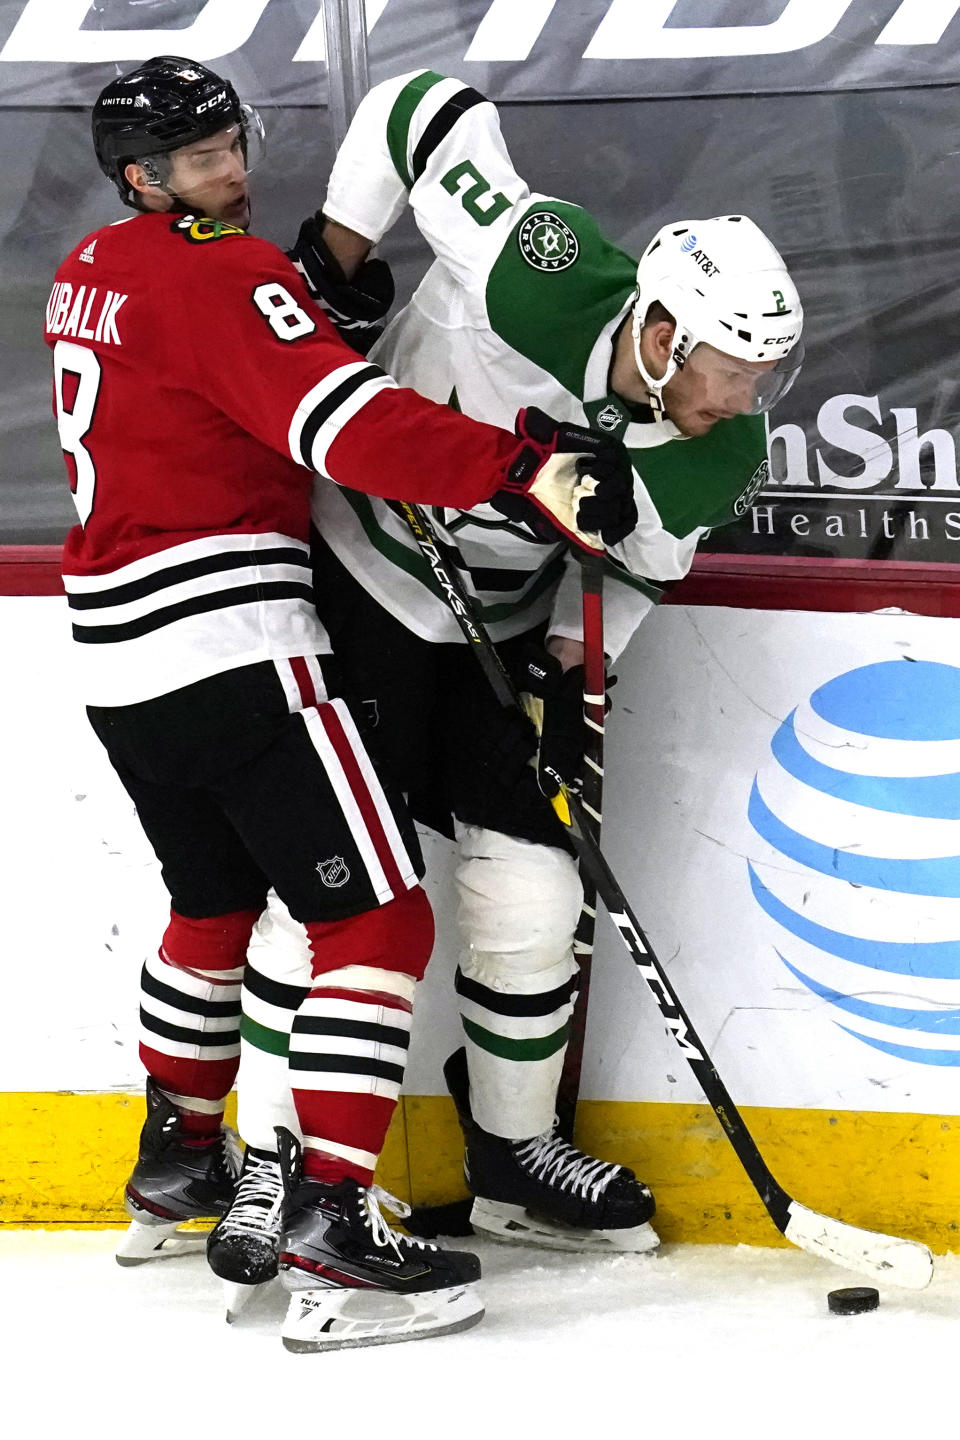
(197, 388)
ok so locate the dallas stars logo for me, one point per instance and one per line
(546, 242)
(758, 479)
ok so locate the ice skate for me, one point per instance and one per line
(173, 1182)
(353, 1280)
(544, 1191)
(242, 1247)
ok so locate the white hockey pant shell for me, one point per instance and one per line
(519, 905)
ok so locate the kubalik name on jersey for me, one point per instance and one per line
(70, 311)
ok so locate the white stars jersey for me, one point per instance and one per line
(520, 307)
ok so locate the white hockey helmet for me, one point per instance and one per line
(726, 286)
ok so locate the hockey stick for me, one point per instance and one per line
(594, 716)
(883, 1257)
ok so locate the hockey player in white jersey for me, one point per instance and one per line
(679, 357)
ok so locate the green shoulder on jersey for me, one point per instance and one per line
(708, 480)
(701, 483)
(551, 309)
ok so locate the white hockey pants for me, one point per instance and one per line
(516, 983)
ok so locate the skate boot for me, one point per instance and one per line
(543, 1191)
(242, 1247)
(174, 1181)
(354, 1281)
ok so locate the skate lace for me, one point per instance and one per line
(230, 1153)
(373, 1218)
(550, 1158)
(259, 1196)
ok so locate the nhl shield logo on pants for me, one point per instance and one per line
(333, 872)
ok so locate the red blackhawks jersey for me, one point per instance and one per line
(197, 388)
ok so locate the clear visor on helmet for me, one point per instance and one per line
(227, 155)
(255, 135)
(742, 387)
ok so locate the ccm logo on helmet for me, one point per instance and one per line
(209, 104)
(780, 339)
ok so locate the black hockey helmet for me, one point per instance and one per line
(164, 103)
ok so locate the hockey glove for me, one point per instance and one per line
(505, 751)
(568, 480)
(553, 698)
(356, 307)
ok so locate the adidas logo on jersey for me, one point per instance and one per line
(87, 255)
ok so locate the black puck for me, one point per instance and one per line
(855, 1301)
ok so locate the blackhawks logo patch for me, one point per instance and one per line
(758, 479)
(198, 231)
(546, 242)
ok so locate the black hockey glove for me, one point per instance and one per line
(568, 480)
(505, 751)
(554, 701)
(356, 307)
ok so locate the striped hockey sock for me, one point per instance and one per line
(348, 1047)
(190, 1014)
(348, 1052)
(270, 1005)
(516, 1040)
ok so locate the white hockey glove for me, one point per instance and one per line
(567, 479)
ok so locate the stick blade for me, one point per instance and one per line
(889, 1258)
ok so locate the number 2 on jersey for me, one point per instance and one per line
(470, 194)
(77, 375)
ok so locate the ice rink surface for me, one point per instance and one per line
(712, 1339)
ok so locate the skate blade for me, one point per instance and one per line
(236, 1297)
(140, 1243)
(348, 1319)
(517, 1226)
